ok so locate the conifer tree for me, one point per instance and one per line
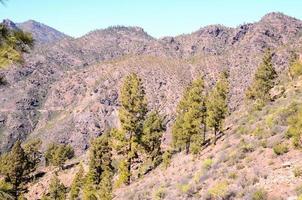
(58, 154)
(15, 168)
(89, 191)
(189, 128)
(77, 184)
(100, 158)
(33, 153)
(153, 129)
(217, 107)
(57, 190)
(263, 80)
(132, 114)
(105, 186)
(99, 178)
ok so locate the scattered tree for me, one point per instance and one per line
(32, 150)
(263, 80)
(58, 154)
(77, 184)
(99, 178)
(189, 128)
(57, 190)
(217, 107)
(295, 66)
(295, 127)
(15, 168)
(153, 129)
(132, 115)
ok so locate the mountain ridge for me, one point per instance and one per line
(206, 51)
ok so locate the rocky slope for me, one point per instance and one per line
(42, 33)
(67, 91)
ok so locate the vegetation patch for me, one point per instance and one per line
(259, 194)
(280, 149)
(219, 190)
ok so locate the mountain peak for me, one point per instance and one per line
(9, 24)
(42, 33)
(277, 16)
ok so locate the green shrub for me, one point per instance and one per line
(160, 193)
(295, 126)
(58, 154)
(280, 149)
(207, 163)
(298, 172)
(219, 190)
(258, 132)
(259, 194)
(167, 159)
(185, 188)
(246, 147)
(295, 69)
(232, 175)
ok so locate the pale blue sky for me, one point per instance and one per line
(158, 17)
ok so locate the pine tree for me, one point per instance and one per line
(189, 128)
(16, 168)
(132, 114)
(105, 191)
(153, 129)
(100, 175)
(57, 190)
(58, 154)
(217, 107)
(33, 153)
(263, 80)
(100, 158)
(6, 190)
(77, 184)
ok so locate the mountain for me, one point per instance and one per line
(68, 90)
(42, 33)
(45, 97)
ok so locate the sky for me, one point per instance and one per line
(158, 17)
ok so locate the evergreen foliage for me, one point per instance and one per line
(99, 178)
(105, 186)
(77, 184)
(189, 128)
(153, 129)
(263, 80)
(100, 158)
(15, 168)
(295, 126)
(58, 154)
(132, 115)
(6, 190)
(12, 44)
(217, 107)
(57, 190)
(34, 155)
(295, 66)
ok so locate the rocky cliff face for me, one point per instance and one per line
(67, 91)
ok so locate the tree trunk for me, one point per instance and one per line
(204, 130)
(215, 137)
(188, 146)
(129, 160)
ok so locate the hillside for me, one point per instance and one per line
(237, 50)
(67, 91)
